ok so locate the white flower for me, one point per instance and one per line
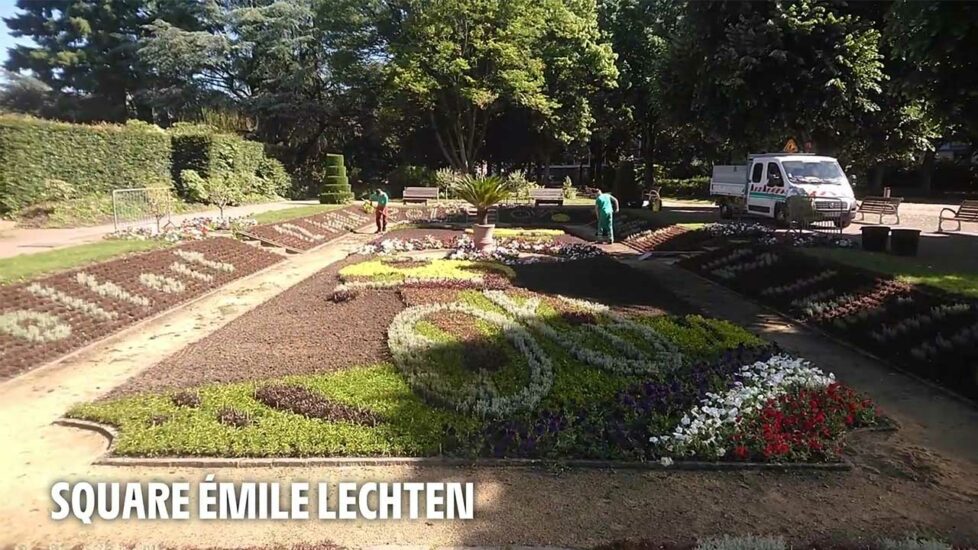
(90, 309)
(665, 461)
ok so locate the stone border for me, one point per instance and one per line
(107, 459)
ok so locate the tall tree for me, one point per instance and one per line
(938, 39)
(85, 52)
(306, 71)
(641, 32)
(755, 73)
(463, 62)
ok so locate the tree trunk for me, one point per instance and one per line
(927, 173)
(648, 155)
(482, 215)
(876, 185)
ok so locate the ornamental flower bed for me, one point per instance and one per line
(302, 234)
(673, 238)
(48, 317)
(513, 373)
(929, 333)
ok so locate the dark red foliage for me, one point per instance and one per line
(577, 318)
(300, 400)
(186, 399)
(234, 418)
(158, 419)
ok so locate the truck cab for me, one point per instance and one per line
(762, 187)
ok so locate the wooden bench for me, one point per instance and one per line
(547, 195)
(883, 206)
(420, 194)
(967, 212)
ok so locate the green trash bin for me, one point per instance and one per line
(875, 238)
(904, 242)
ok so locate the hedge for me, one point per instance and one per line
(44, 160)
(215, 155)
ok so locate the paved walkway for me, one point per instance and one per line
(17, 241)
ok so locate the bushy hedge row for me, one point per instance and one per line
(691, 188)
(43, 160)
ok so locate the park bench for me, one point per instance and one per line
(419, 194)
(547, 195)
(883, 206)
(967, 212)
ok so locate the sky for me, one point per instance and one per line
(8, 8)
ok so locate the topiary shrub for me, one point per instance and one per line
(335, 187)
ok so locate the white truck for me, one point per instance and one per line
(762, 187)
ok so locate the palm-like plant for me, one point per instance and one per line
(483, 192)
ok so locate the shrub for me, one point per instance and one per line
(692, 188)
(236, 161)
(43, 160)
(221, 191)
(407, 175)
(570, 192)
(335, 187)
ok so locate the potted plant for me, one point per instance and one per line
(483, 192)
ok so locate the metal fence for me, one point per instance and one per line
(142, 207)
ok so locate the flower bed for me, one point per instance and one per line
(301, 234)
(673, 238)
(511, 373)
(932, 334)
(48, 317)
(383, 273)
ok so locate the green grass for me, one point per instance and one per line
(910, 270)
(28, 266)
(296, 212)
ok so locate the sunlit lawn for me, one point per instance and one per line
(909, 269)
(27, 266)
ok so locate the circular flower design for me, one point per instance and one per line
(411, 351)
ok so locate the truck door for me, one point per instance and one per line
(757, 200)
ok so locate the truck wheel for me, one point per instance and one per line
(780, 215)
(726, 211)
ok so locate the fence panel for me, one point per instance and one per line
(142, 207)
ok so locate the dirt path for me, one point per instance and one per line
(921, 480)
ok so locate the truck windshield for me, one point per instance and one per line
(813, 171)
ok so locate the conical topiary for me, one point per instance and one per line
(335, 188)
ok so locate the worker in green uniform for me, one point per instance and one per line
(381, 198)
(605, 206)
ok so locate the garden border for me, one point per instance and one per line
(124, 330)
(848, 345)
(110, 433)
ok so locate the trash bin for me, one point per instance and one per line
(875, 238)
(904, 242)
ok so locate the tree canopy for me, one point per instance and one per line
(513, 83)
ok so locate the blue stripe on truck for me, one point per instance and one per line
(774, 196)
